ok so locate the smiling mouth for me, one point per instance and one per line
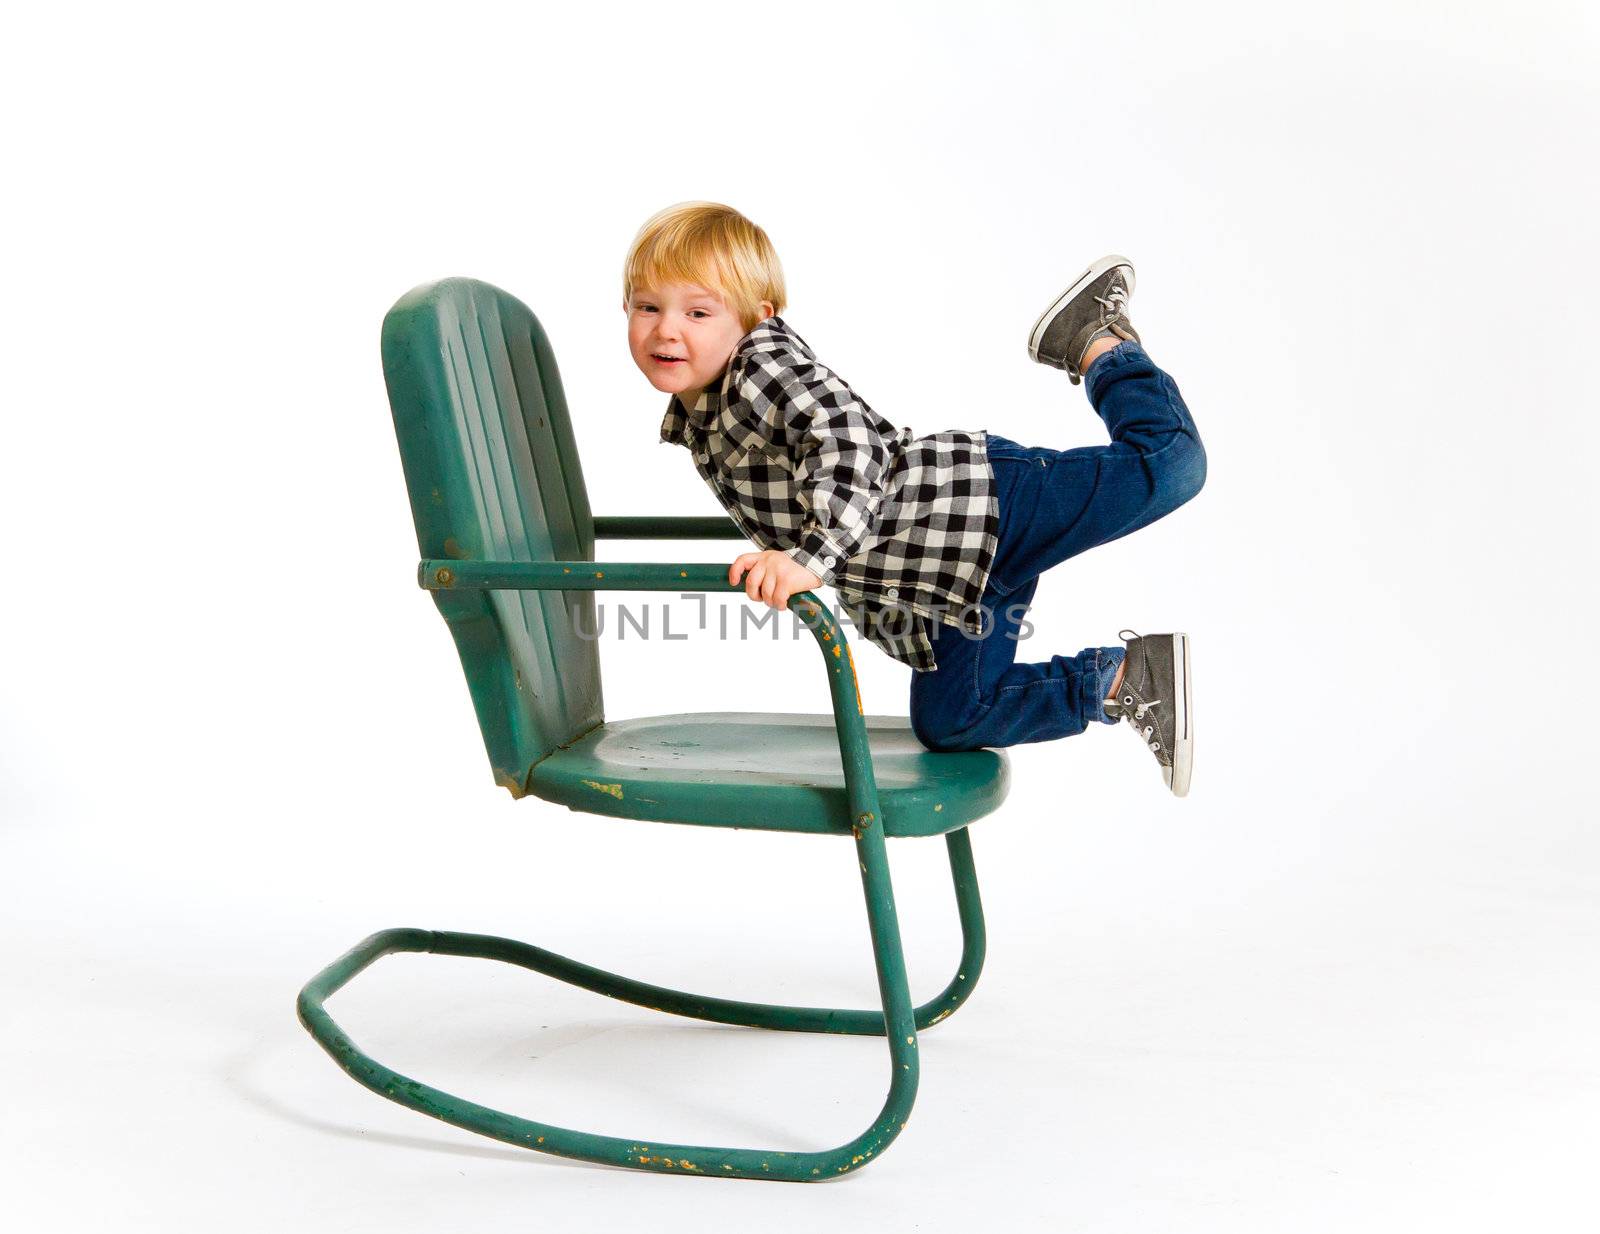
(656, 355)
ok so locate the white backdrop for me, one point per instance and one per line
(1349, 983)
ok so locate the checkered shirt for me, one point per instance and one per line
(902, 527)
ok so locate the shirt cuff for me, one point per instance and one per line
(817, 555)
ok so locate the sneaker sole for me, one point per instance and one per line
(1088, 276)
(1183, 723)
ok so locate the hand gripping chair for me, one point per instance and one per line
(507, 541)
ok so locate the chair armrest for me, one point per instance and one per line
(666, 527)
(453, 575)
(861, 785)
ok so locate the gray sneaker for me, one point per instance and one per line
(1095, 306)
(1155, 697)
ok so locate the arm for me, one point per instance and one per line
(573, 576)
(779, 590)
(839, 450)
(843, 687)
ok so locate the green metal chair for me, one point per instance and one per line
(507, 540)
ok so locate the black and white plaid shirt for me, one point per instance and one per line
(903, 527)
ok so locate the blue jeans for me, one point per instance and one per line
(1054, 504)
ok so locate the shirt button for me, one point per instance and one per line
(828, 562)
(893, 593)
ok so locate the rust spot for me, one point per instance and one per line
(444, 576)
(452, 548)
(599, 573)
(836, 649)
(566, 569)
(614, 790)
(540, 1140)
(939, 1017)
(852, 658)
(509, 782)
(939, 806)
(683, 574)
(688, 1165)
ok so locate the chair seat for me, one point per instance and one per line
(766, 770)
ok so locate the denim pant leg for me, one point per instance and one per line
(980, 696)
(1095, 494)
(1055, 504)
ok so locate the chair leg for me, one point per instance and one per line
(974, 942)
(902, 1020)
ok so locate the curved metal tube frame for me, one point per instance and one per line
(902, 1019)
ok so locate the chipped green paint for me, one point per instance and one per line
(611, 790)
(854, 680)
(774, 771)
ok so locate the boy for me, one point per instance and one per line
(936, 542)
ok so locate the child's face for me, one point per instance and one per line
(682, 335)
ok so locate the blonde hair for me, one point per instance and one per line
(712, 245)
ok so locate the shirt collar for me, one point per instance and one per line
(698, 414)
(772, 334)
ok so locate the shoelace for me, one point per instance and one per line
(1114, 304)
(1133, 712)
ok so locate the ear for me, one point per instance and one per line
(766, 310)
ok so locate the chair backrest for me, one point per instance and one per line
(493, 474)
